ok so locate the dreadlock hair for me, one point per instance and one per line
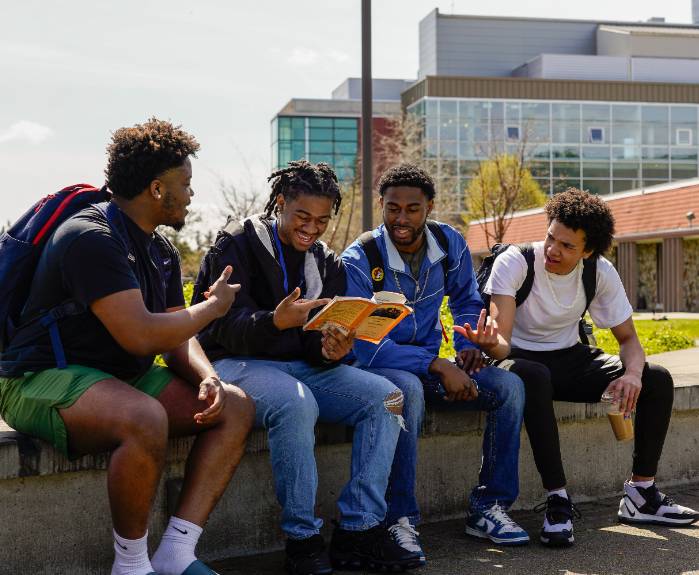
(408, 175)
(302, 177)
(580, 210)
(140, 154)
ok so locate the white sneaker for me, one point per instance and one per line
(406, 536)
(650, 506)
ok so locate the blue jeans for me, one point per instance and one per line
(502, 397)
(289, 397)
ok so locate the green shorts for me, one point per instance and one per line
(30, 404)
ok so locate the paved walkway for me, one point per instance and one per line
(682, 364)
(669, 315)
(603, 547)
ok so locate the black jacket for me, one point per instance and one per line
(247, 329)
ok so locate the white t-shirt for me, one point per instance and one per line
(548, 318)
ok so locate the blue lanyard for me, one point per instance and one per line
(281, 257)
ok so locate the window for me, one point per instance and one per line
(595, 135)
(683, 137)
(512, 133)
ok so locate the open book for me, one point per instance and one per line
(371, 318)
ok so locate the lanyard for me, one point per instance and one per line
(281, 257)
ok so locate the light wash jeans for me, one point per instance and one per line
(289, 397)
(502, 397)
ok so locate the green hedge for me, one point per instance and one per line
(655, 336)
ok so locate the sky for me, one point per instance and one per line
(73, 71)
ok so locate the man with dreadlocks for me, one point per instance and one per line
(294, 376)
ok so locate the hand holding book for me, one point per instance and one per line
(371, 319)
(336, 343)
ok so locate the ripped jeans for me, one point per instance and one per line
(289, 397)
(501, 397)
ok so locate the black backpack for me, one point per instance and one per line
(376, 267)
(21, 247)
(589, 280)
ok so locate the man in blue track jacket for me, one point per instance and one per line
(412, 251)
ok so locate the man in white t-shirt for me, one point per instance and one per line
(540, 341)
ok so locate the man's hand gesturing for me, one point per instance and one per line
(222, 294)
(293, 312)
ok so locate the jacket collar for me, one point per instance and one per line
(434, 251)
(262, 227)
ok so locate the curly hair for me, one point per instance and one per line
(580, 210)
(407, 175)
(140, 154)
(302, 177)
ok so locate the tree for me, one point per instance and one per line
(238, 204)
(501, 186)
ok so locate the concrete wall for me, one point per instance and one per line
(54, 517)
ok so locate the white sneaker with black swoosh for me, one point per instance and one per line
(648, 505)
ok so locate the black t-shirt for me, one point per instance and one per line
(86, 260)
(294, 260)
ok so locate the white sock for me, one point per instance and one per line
(176, 551)
(560, 492)
(131, 556)
(644, 484)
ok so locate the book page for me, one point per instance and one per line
(345, 312)
(381, 321)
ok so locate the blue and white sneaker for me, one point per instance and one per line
(496, 525)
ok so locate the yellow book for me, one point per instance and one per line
(371, 319)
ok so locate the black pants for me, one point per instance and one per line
(580, 374)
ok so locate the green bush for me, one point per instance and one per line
(655, 336)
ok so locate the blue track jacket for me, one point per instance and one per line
(414, 343)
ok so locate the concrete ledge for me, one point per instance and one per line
(54, 513)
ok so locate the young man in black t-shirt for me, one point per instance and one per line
(109, 260)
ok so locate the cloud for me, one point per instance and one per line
(25, 131)
(303, 57)
(338, 56)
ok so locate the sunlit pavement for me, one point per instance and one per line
(603, 547)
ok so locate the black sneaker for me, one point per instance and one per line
(372, 549)
(558, 521)
(647, 505)
(307, 556)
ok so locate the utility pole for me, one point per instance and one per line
(366, 117)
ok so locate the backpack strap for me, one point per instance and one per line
(71, 307)
(527, 251)
(443, 242)
(367, 242)
(589, 280)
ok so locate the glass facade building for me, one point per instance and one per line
(317, 139)
(604, 147)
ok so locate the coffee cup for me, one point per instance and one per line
(622, 425)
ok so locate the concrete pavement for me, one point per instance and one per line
(603, 547)
(683, 364)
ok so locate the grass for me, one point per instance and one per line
(655, 336)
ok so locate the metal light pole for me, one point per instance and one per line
(366, 117)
